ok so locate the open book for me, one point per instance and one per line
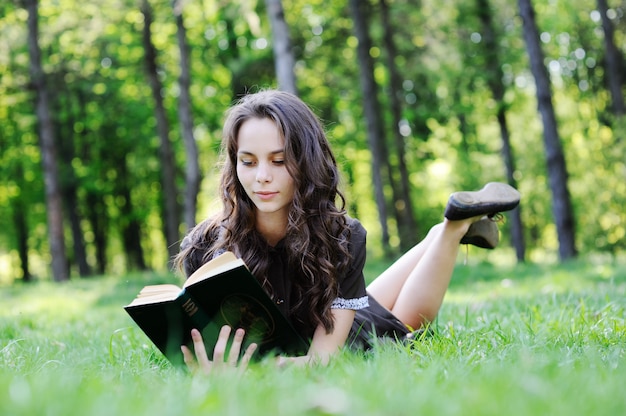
(222, 292)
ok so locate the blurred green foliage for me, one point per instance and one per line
(102, 108)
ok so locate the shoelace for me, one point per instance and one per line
(497, 217)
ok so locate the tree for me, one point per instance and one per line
(130, 225)
(185, 117)
(21, 228)
(54, 201)
(18, 192)
(66, 115)
(458, 88)
(555, 160)
(283, 55)
(494, 81)
(407, 228)
(372, 112)
(613, 61)
(168, 171)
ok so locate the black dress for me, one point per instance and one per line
(372, 320)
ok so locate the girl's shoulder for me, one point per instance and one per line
(357, 231)
(354, 224)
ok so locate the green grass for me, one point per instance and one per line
(516, 340)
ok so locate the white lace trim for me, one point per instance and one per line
(355, 304)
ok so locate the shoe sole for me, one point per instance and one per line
(493, 198)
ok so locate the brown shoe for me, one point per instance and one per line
(495, 197)
(483, 233)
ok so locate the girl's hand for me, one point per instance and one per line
(201, 361)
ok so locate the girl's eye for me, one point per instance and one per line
(278, 162)
(246, 162)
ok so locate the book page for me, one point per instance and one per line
(156, 294)
(220, 264)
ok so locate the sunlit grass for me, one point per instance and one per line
(510, 339)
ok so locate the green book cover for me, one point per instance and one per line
(222, 292)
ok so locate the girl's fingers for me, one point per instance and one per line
(220, 347)
(243, 364)
(235, 348)
(201, 356)
(190, 361)
(201, 359)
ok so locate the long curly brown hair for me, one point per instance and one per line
(317, 232)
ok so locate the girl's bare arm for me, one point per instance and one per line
(324, 345)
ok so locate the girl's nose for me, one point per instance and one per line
(263, 173)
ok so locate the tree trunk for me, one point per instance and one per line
(555, 161)
(131, 232)
(284, 60)
(185, 116)
(69, 187)
(494, 80)
(407, 227)
(372, 113)
(168, 171)
(613, 60)
(18, 204)
(72, 206)
(54, 202)
(97, 216)
(517, 226)
(21, 226)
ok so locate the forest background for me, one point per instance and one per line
(111, 112)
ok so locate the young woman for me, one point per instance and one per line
(284, 216)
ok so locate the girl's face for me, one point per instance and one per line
(261, 168)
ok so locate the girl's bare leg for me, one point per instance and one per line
(387, 286)
(414, 286)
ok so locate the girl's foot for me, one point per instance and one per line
(482, 233)
(495, 197)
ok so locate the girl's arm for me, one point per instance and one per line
(324, 345)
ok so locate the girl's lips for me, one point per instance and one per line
(266, 195)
